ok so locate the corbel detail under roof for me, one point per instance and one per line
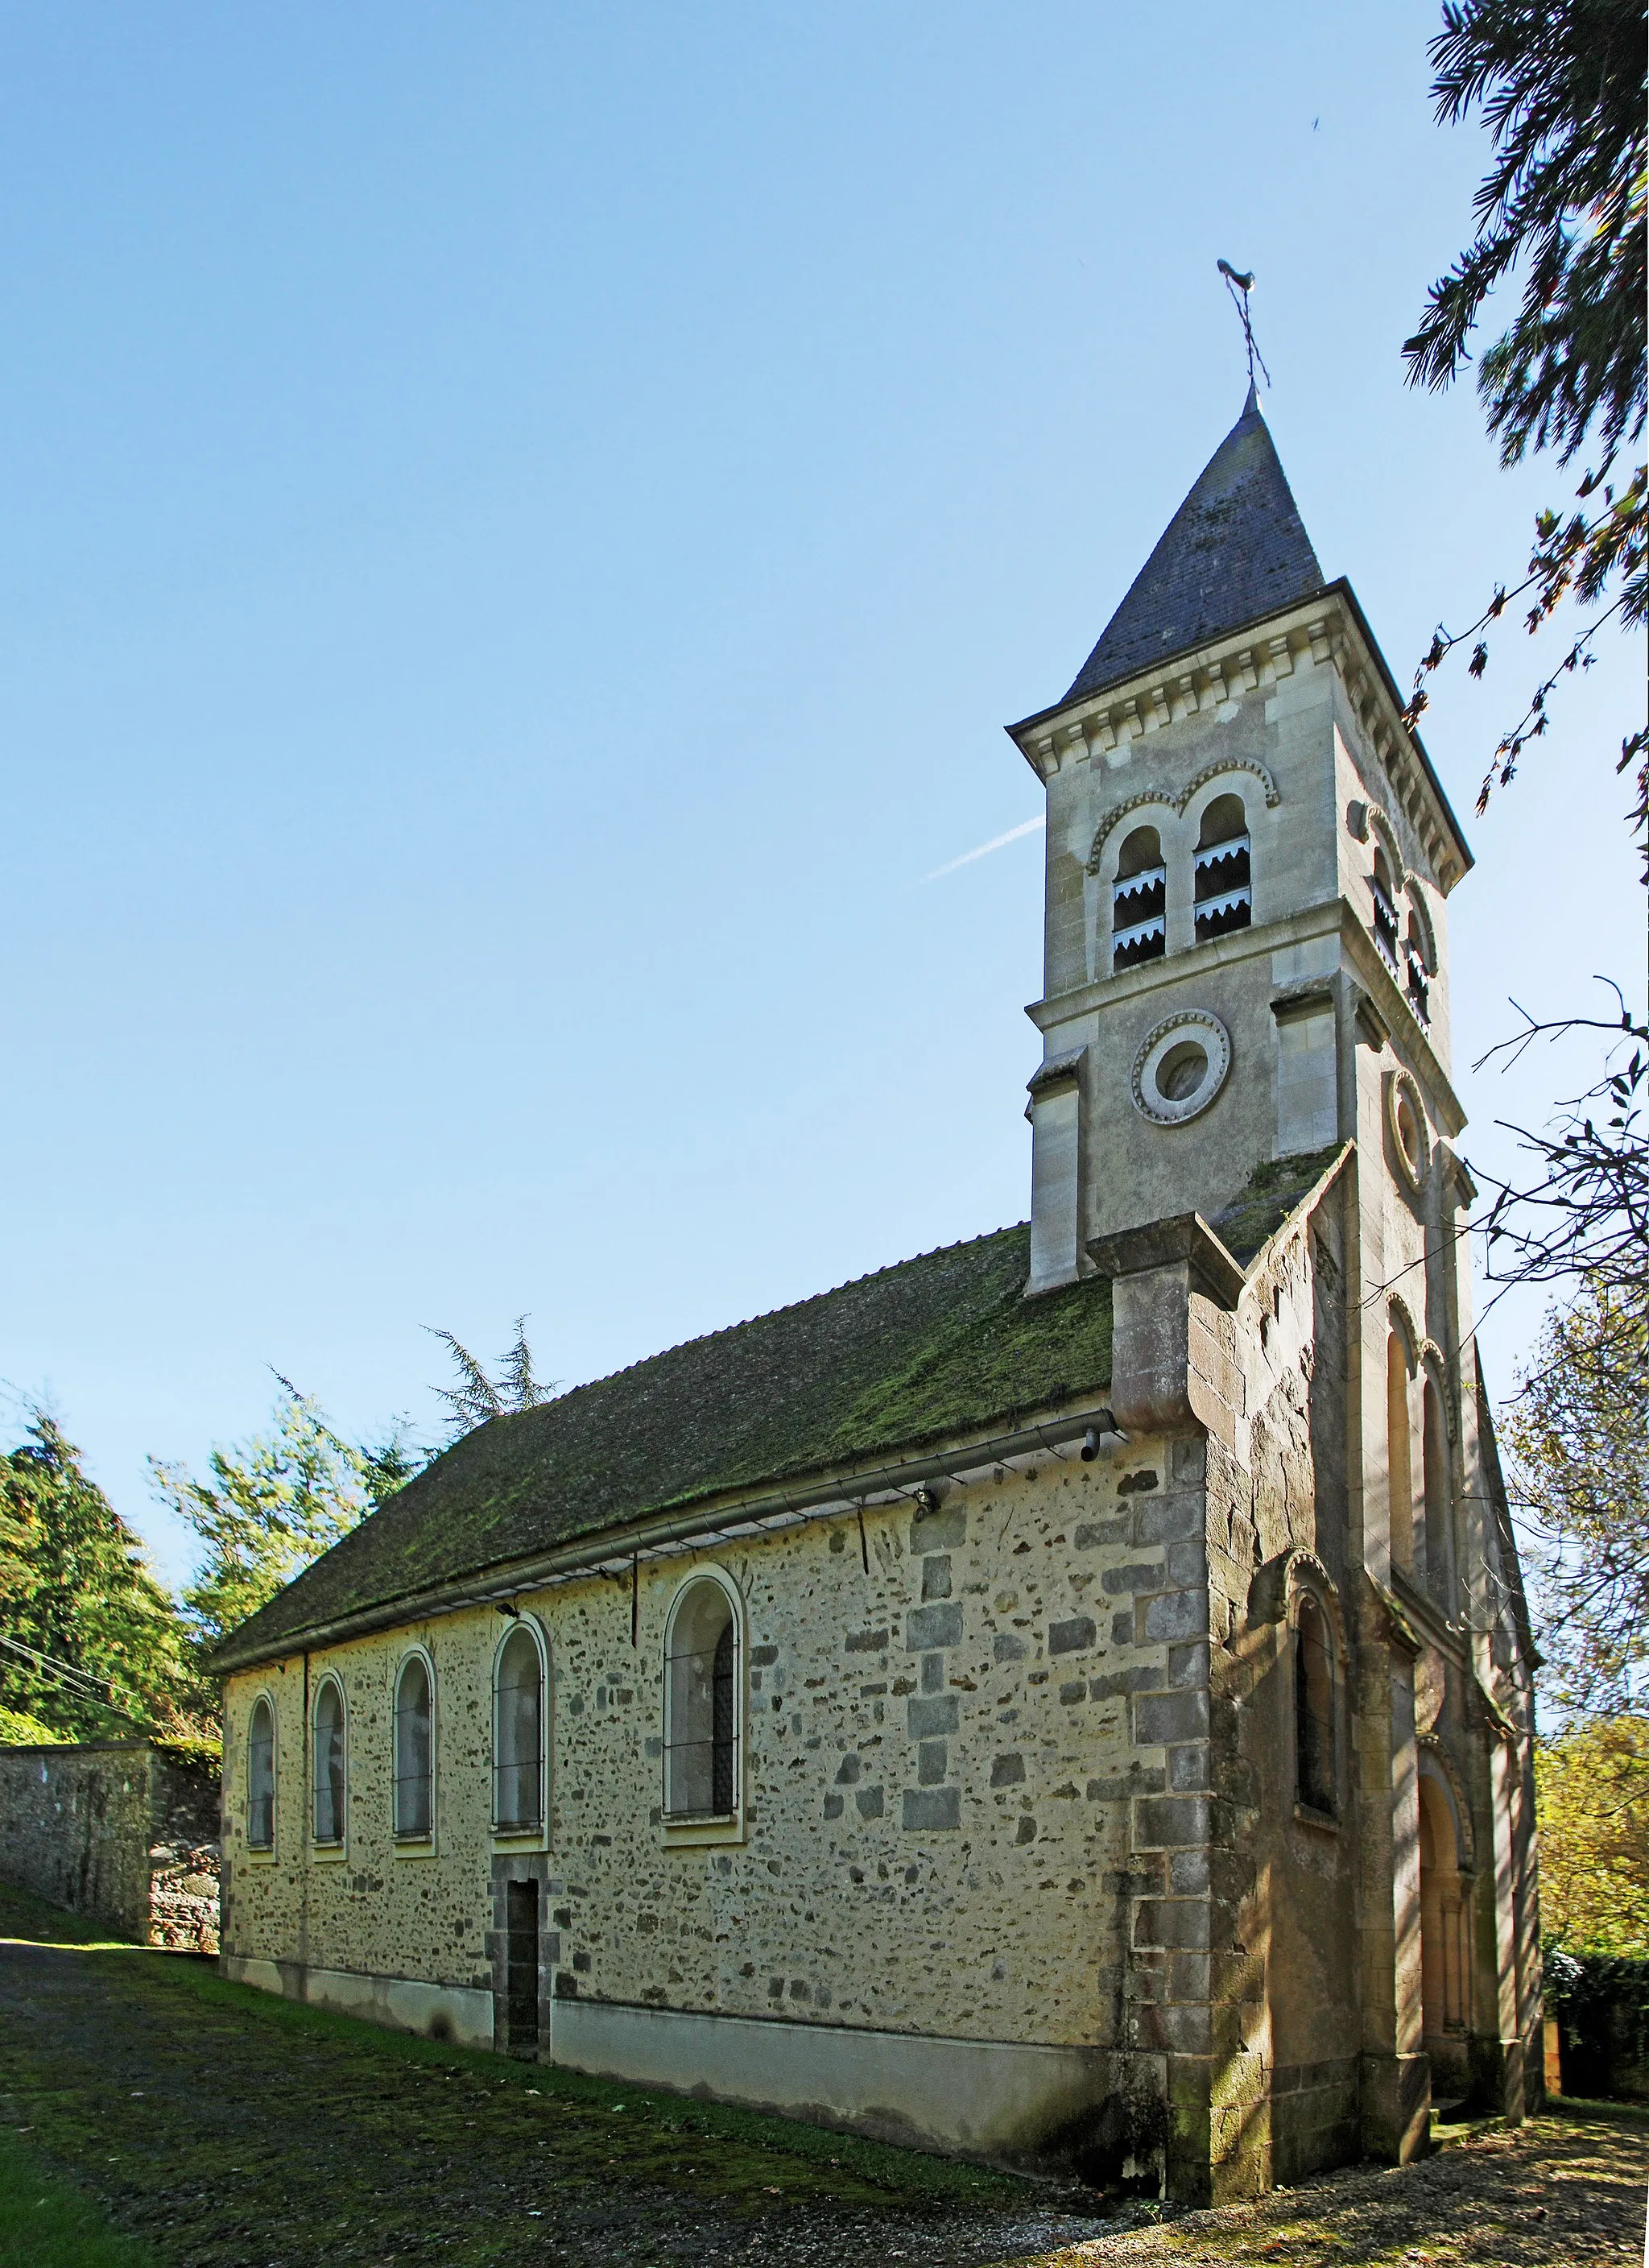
(1328, 626)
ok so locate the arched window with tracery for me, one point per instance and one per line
(1223, 890)
(261, 1775)
(518, 1734)
(1314, 1707)
(701, 1705)
(331, 1778)
(415, 1749)
(1385, 910)
(1139, 902)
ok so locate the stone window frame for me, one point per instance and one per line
(695, 1832)
(337, 1851)
(262, 1854)
(1305, 1576)
(535, 1838)
(1411, 1168)
(414, 1843)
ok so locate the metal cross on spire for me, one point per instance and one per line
(1239, 285)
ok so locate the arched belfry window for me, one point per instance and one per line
(1314, 1707)
(415, 1748)
(1417, 964)
(331, 1777)
(1385, 898)
(518, 1734)
(702, 1710)
(261, 1775)
(1139, 902)
(1224, 888)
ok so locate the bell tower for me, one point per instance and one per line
(1248, 854)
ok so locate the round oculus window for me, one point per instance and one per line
(1181, 1067)
(1405, 1120)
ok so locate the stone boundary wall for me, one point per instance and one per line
(118, 1830)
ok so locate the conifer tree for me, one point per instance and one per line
(91, 1645)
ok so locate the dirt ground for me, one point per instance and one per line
(226, 2130)
(1565, 2192)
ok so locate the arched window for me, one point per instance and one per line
(1434, 1466)
(261, 1775)
(518, 1737)
(1223, 891)
(702, 1712)
(1399, 1459)
(1139, 902)
(330, 1779)
(1417, 967)
(1385, 899)
(415, 1748)
(1314, 1707)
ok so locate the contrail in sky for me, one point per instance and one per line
(1027, 827)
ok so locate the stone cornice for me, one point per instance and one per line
(735, 1515)
(1328, 626)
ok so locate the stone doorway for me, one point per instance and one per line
(521, 1954)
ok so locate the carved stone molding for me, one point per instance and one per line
(1177, 803)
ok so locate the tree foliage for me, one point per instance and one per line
(1592, 1789)
(1561, 85)
(93, 1644)
(478, 1397)
(1577, 1435)
(272, 1504)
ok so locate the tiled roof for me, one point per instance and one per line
(1236, 549)
(938, 1348)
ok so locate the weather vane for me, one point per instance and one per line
(1239, 285)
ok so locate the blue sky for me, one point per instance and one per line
(523, 527)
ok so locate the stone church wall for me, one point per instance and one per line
(954, 1761)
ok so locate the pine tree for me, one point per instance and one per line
(91, 1645)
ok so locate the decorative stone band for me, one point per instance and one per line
(1182, 1064)
(1405, 1124)
(1177, 803)
(1275, 1586)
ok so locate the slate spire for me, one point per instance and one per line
(1236, 549)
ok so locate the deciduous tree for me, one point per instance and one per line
(1592, 1786)
(1577, 1435)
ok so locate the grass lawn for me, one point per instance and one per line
(154, 2116)
(222, 2128)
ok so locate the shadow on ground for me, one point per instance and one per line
(228, 2130)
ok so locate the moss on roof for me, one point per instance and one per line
(941, 1346)
(1274, 1189)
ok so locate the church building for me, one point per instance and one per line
(1065, 1698)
